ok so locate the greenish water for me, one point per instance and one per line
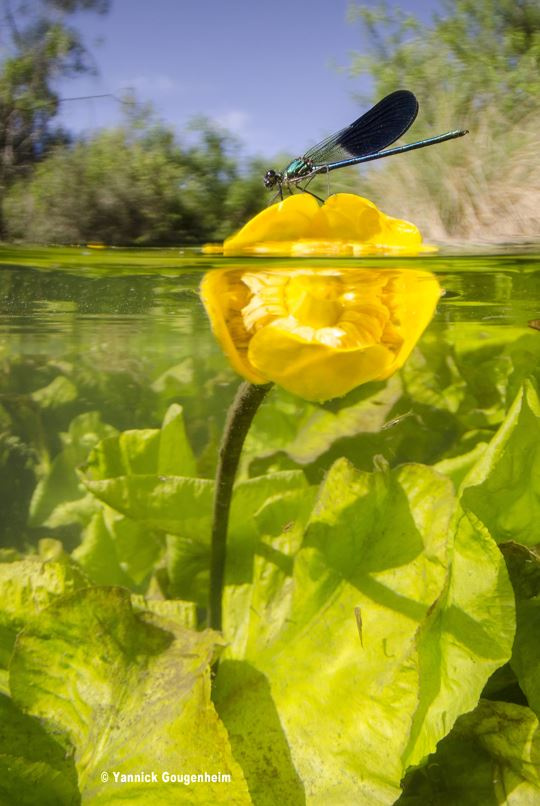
(120, 308)
(124, 333)
(367, 605)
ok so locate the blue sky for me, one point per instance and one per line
(268, 71)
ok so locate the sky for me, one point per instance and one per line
(270, 72)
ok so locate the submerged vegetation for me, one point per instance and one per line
(476, 66)
(380, 616)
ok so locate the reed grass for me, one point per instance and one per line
(482, 187)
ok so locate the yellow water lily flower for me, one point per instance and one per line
(345, 224)
(318, 332)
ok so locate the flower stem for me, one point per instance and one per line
(241, 413)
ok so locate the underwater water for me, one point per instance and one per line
(382, 545)
(123, 334)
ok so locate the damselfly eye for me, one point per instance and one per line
(270, 179)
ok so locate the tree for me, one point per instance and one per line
(479, 51)
(39, 47)
(136, 185)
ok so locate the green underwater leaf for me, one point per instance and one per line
(34, 767)
(524, 568)
(101, 557)
(357, 656)
(469, 636)
(175, 455)
(26, 588)
(491, 757)
(172, 504)
(524, 354)
(502, 491)
(129, 691)
(132, 473)
(59, 393)
(163, 451)
(431, 376)
(60, 498)
(189, 553)
(325, 426)
(457, 467)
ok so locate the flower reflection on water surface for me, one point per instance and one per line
(317, 331)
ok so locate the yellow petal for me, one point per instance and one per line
(315, 371)
(222, 305)
(285, 221)
(413, 297)
(318, 332)
(351, 218)
(345, 224)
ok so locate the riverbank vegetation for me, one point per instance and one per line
(474, 66)
(136, 185)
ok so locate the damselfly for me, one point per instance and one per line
(362, 141)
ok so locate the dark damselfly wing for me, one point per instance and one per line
(382, 125)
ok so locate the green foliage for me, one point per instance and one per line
(489, 757)
(41, 45)
(382, 603)
(32, 760)
(476, 67)
(135, 185)
(502, 491)
(383, 573)
(481, 52)
(524, 567)
(140, 674)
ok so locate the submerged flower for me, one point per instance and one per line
(318, 332)
(345, 224)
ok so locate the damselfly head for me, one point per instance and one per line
(271, 179)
